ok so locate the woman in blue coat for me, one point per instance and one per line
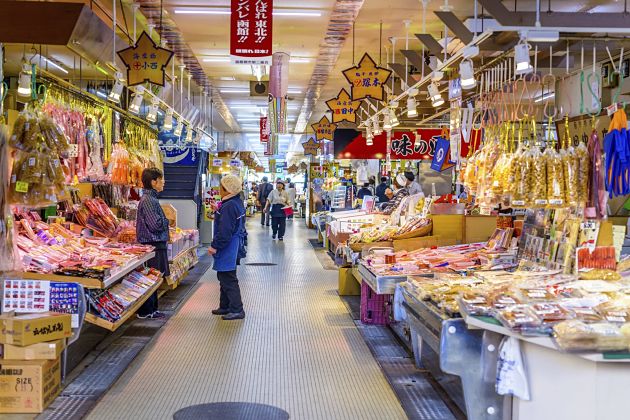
(229, 232)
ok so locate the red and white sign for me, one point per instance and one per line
(264, 129)
(251, 31)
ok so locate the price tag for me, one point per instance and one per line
(518, 202)
(611, 109)
(217, 162)
(74, 150)
(21, 186)
(556, 202)
(540, 202)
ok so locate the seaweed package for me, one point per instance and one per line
(570, 171)
(537, 177)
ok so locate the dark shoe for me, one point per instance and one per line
(273, 236)
(233, 316)
(220, 312)
(157, 315)
(280, 239)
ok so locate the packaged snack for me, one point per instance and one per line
(537, 294)
(503, 299)
(518, 180)
(570, 171)
(537, 179)
(614, 311)
(599, 274)
(574, 335)
(550, 312)
(476, 303)
(583, 175)
(555, 174)
(518, 317)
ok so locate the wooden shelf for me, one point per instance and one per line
(91, 283)
(131, 310)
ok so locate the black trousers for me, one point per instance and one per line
(279, 225)
(159, 262)
(264, 216)
(230, 291)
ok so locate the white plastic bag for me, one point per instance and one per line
(511, 376)
(399, 311)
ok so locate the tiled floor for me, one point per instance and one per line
(298, 349)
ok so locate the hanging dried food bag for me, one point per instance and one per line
(537, 177)
(583, 174)
(518, 181)
(555, 173)
(570, 171)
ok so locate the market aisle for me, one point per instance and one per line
(298, 348)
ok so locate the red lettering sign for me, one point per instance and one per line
(251, 31)
(264, 129)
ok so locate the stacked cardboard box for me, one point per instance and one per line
(30, 369)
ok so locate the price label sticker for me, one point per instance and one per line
(74, 150)
(611, 109)
(21, 186)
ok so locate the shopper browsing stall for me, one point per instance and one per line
(364, 191)
(401, 183)
(413, 186)
(278, 200)
(380, 190)
(263, 194)
(152, 229)
(229, 234)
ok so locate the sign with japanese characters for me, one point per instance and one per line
(264, 129)
(442, 155)
(311, 147)
(145, 61)
(324, 129)
(251, 31)
(367, 79)
(350, 144)
(343, 107)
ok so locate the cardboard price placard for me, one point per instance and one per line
(343, 107)
(324, 129)
(145, 61)
(311, 147)
(367, 79)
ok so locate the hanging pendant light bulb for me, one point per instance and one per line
(387, 126)
(393, 119)
(153, 110)
(24, 81)
(136, 103)
(116, 92)
(521, 58)
(435, 96)
(178, 130)
(412, 105)
(376, 128)
(168, 120)
(467, 74)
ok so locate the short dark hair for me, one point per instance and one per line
(410, 176)
(383, 179)
(150, 174)
(367, 184)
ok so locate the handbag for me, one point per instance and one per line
(288, 211)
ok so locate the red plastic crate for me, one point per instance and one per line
(375, 309)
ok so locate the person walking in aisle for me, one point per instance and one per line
(278, 199)
(263, 194)
(229, 234)
(380, 190)
(291, 192)
(152, 229)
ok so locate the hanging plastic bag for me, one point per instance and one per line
(511, 375)
(399, 310)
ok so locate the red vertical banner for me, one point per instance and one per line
(264, 129)
(251, 26)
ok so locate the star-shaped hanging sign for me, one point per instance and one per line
(343, 107)
(324, 129)
(367, 79)
(311, 147)
(145, 61)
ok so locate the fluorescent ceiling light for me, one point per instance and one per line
(226, 11)
(233, 90)
(545, 97)
(298, 60)
(227, 78)
(55, 65)
(542, 36)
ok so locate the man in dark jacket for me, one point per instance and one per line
(229, 235)
(263, 192)
(380, 191)
(152, 229)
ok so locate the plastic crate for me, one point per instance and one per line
(375, 309)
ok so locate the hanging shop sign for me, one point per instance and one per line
(251, 32)
(367, 79)
(318, 171)
(350, 144)
(442, 156)
(145, 61)
(454, 89)
(311, 147)
(264, 129)
(324, 129)
(343, 107)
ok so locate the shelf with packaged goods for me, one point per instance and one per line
(130, 311)
(91, 283)
(181, 253)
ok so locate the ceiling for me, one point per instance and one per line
(301, 35)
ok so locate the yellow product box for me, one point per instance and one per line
(39, 351)
(28, 386)
(24, 330)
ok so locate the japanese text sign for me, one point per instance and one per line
(324, 129)
(251, 31)
(343, 107)
(145, 61)
(311, 147)
(367, 79)
(441, 158)
(264, 129)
